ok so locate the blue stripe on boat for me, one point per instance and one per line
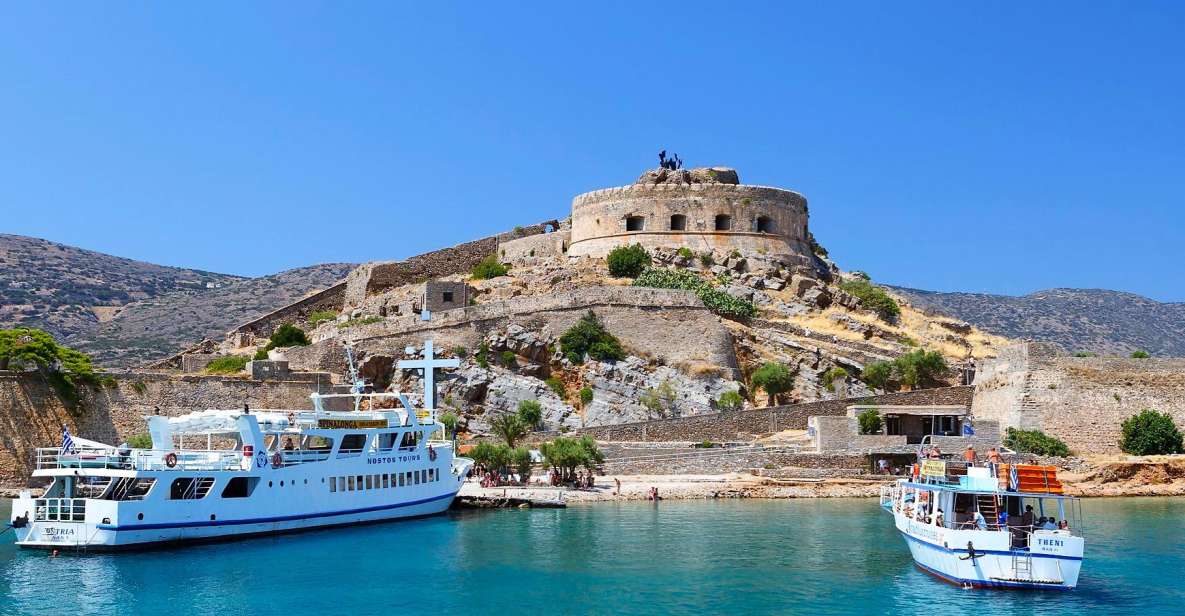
(283, 518)
(978, 551)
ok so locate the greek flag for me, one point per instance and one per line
(67, 442)
(1013, 478)
(968, 430)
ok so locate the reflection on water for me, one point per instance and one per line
(804, 556)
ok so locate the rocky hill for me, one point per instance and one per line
(66, 290)
(158, 327)
(1089, 320)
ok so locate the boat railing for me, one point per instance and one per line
(139, 459)
(59, 510)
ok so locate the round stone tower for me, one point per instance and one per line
(705, 210)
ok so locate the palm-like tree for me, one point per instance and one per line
(509, 428)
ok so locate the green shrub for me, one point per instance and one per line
(366, 320)
(659, 399)
(565, 455)
(1085, 354)
(227, 364)
(716, 300)
(139, 387)
(873, 298)
(877, 374)
(509, 428)
(460, 351)
(556, 386)
(483, 355)
(508, 359)
(589, 338)
(870, 421)
(685, 253)
(320, 316)
(705, 444)
(140, 441)
(449, 420)
(920, 368)
(1035, 442)
(288, 335)
(774, 378)
(1140, 354)
(832, 375)
(63, 367)
(487, 268)
(730, 401)
(530, 412)
(707, 260)
(522, 462)
(493, 456)
(586, 395)
(1150, 433)
(627, 261)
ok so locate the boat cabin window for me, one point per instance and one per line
(353, 443)
(318, 442)
(130, 488)
(240, 487)
(410, 439)
(333, 484)
(402, 480)
(190, 488)
(350, 482)
(387, 440)
(385, 483)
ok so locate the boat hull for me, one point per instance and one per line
(108, 537)
(993, 569)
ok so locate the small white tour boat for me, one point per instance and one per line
(1001, 526)
(354, 458)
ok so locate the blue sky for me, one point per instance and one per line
(996, 147)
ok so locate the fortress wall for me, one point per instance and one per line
(371, 278)
(744, 425)
(670, 325)
(539, 246)
(1081, 400)
(31, 414)
(599, 218)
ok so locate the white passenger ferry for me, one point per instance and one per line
(216, 474)
(1007, 526)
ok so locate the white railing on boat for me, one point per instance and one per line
(59, 510)
(139, 459)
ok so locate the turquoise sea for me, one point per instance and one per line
(736, 556)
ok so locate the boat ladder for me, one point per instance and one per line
(1022, 565)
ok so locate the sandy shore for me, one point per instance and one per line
(732, 485)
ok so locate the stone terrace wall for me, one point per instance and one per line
(1081, 400)
(371, 278)
(326, 299)
(689, 461)
(667, 324)
(31, 414)
(743, 425)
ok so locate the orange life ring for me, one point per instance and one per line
(277, 460)
(431, 453)
(170, 459)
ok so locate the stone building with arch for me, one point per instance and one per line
(705, 210)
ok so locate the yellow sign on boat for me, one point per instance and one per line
(351, 423)
(934, 468)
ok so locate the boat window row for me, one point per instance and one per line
(355, 444)
(352, 483)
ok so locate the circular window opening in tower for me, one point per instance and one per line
(723, 222)
(634, 223)
(678, 222)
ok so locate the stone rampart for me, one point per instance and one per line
(371, 278)
(669, 325)
(745, 425)
(542, 246)
(32, 415)
(1081, 400)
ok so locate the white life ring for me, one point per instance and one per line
(170, 459)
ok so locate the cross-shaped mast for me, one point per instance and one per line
(428, 364)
